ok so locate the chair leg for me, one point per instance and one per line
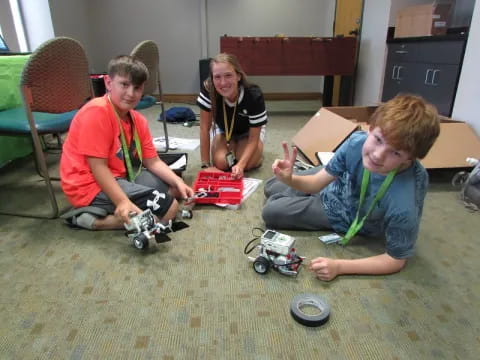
(59, 140)
(164, 115)
(165, 130)
(37, 165)
(41, 161)
(40, 157)
(42, 165)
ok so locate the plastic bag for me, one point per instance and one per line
(470, 183)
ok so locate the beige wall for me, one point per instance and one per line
(465, 107)
(187, 30)
(8, 27)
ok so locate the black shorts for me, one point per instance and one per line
(147, 192)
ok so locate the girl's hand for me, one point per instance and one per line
(237, 171)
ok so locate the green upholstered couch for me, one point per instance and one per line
(11, 66)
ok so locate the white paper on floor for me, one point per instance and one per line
(175, 143)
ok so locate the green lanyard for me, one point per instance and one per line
(126, 152)
(357, 225)
(228, 131)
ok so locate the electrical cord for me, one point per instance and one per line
(247, 250)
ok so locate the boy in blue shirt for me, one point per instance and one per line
(373, 186)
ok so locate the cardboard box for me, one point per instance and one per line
(422, 20)
(330, 126)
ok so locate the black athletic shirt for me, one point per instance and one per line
(251, 111)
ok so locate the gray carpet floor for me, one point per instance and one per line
(75, 294)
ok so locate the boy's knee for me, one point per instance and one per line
(268, 188)
(171, 212)
(274, 186)
(271, 216)
(162, 204)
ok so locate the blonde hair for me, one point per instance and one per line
(208, 83)
(408, 123)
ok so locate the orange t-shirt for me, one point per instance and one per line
(94, 132)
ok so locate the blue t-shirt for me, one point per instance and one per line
(396, 216)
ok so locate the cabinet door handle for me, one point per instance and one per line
(393, 72)
(401, 52)
(434, 77)
(398, 73)
(427, 82)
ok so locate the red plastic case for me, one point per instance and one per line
(217, 188)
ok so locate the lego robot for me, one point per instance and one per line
(276, 250)
(143, 227)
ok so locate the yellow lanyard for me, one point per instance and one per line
(228, 131)
(126, 154)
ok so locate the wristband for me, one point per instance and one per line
(205, 165)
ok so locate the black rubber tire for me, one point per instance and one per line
(140, 242)
(261, 265)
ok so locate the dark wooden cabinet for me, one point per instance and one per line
(429, 67)
(299, 56)
(293, 55)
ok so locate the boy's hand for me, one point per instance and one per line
(124, 208)
(283, 169)
(324, 268)
(183, 190)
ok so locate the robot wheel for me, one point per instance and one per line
(261, 265)
(141, 241)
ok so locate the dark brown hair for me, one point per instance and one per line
(125, 65)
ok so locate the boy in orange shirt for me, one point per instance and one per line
(109, 166)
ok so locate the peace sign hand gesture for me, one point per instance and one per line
(283, 169)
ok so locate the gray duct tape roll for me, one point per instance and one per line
(303, 300)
